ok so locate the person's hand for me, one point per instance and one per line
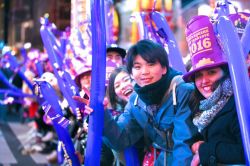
(87, 110)
(196, 160)
(80, 157)
(196, 146)
(81, 100)
(105, 103)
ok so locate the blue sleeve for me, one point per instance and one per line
(122, 133)
(184, 129)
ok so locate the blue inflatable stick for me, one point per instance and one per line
(49, 101)
(245, 40)
(97, 92)
(65, 82)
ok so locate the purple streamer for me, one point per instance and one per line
(239, 76)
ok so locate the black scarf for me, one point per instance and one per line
(153, 93)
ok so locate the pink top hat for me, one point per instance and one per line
(204, 47)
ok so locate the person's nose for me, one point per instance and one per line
(121, 87)
(145, 70)
(204, 80)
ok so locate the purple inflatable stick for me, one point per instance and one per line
(239, 76)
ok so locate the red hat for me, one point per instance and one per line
(83, 70)
(203, 45)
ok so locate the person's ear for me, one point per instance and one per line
(165, 70)
(131, 76)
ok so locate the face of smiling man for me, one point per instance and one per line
(145, 73)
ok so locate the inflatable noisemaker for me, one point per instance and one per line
(49, 102)
(239, 76)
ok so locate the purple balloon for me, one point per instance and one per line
(97, 92)
(222, 8)
(53, 110)
(79, 35)
(164, 31)
(14, 93)
(6, 82)
(143, 27)
(65, 82)
(39, 67)
(60, 153)
(239, 76)
(245, 40)
(25, 79)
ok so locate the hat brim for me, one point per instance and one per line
(189, 76)
(121, 51)
(78, 76)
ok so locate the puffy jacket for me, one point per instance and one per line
(223, 141)
(134, 123)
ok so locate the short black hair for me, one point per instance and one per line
(119, 50)
(150, 51)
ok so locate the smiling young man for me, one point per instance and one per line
(157, 110)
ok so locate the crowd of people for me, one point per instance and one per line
(186, 120)
(167, 117)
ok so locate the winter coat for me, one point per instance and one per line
(223, 142)
(134, 123)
